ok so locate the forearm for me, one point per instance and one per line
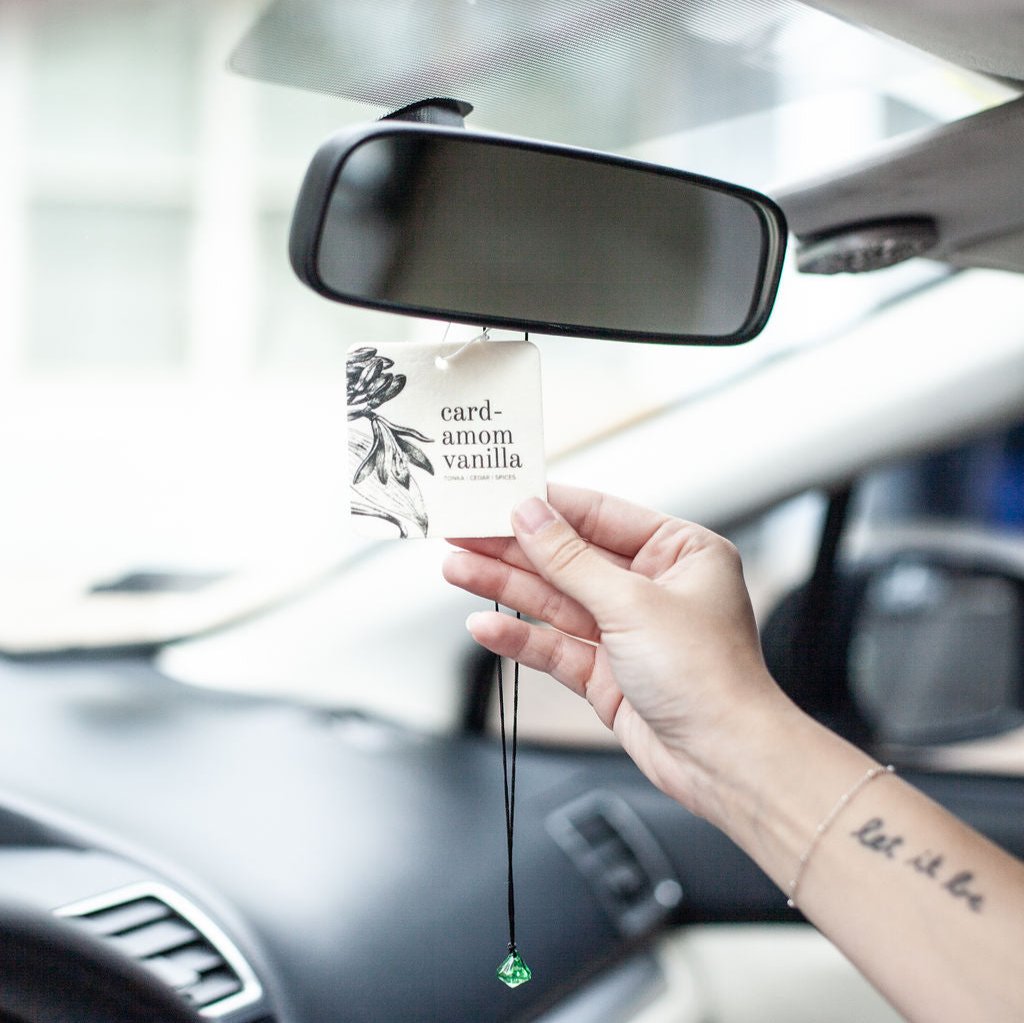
(930, 911)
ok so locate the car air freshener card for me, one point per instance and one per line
(443, 440)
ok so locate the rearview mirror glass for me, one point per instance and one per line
(482, 229)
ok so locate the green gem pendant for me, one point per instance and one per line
(513, 971)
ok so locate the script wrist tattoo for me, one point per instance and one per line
(877, 837)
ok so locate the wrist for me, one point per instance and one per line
(773, 777)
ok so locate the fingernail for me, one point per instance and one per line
(533, 515)
(472, 619)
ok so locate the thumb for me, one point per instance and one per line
(568, 562)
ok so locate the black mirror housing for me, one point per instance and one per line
(498, 231)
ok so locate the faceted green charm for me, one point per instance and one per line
(513, 971)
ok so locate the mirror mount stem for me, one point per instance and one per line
(440, 110)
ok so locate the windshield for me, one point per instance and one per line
(171, 398)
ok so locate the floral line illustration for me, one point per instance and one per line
(382, 483)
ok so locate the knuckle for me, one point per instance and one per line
(730, 552)
(593, 515)
(504, 579)
(677, 538)
(521, 646)
(550, 606)
(727, 547)
(689, 537)
(559, 653)
(567, 556)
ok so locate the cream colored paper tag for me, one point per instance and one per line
(444, 440)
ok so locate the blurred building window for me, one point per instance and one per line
(107, 287)
(152, 190)
(114, 77)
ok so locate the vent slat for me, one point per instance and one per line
(200, 958)
(211, 989)
(171, 973)
(108, 922)
(155, 939)
(595, 830)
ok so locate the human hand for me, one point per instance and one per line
(651, 623)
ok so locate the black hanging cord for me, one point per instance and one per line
(509, 774)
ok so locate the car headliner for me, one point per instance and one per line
(965, 176)
(983, 35)
(614, 73)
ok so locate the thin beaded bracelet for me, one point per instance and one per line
(843, 801)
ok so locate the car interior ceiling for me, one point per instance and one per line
(980, 220)
(976, 41)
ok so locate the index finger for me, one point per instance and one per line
(608, 522)
(616, 528)
(507, 549)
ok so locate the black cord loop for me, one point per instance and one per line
(510, 782)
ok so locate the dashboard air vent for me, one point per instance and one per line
(616, 852)
(173, 939)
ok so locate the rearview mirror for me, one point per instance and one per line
(503, 232)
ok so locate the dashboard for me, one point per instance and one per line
(277, 862)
